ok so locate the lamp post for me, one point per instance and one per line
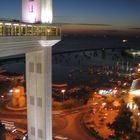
(63, 92)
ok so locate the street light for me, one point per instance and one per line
(63, 92)
(11, 91)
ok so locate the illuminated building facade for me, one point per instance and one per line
(134, 92)
(35, 41)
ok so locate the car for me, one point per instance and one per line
(20, 130)
(21, 133)
(9, 126)
(59, 138)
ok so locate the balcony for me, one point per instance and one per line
(18, 37)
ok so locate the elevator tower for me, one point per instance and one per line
(37, 11)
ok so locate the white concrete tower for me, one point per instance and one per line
(39, 94)
(46, 11)
(37, 11)
(38, 70)
(31, 11)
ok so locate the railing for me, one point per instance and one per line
(23, 29)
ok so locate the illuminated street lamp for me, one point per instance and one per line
(63, 92)
(11, 91)
(17, 90)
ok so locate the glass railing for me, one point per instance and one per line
(24, 29)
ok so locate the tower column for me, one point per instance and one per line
(39, 94)
(46, 11)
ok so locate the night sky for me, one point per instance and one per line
(104, 15)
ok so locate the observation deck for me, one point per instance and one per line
(18, 37)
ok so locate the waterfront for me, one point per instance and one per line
(82, 71)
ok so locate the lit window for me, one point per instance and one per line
(1, 30)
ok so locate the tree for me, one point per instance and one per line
(122, 124)
(2, 132)
(109, 99)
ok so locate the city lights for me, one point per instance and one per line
(17, 90)
(11, 91)
(86, 87)
(63, 90)
(124, 41)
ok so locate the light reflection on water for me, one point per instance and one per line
(85, 68)
(88, 67)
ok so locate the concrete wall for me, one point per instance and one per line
(39, 94)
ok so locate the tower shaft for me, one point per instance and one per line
(34, 11)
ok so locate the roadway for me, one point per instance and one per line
(69, 124)
(65, 123)
(18, 117)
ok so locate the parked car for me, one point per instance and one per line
(59, 138)
(21, 134)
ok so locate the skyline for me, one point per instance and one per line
(88, 15)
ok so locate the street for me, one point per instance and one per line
(70, 125)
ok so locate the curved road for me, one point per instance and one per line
(70, 125)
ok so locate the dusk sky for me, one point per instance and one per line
(102, 14)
